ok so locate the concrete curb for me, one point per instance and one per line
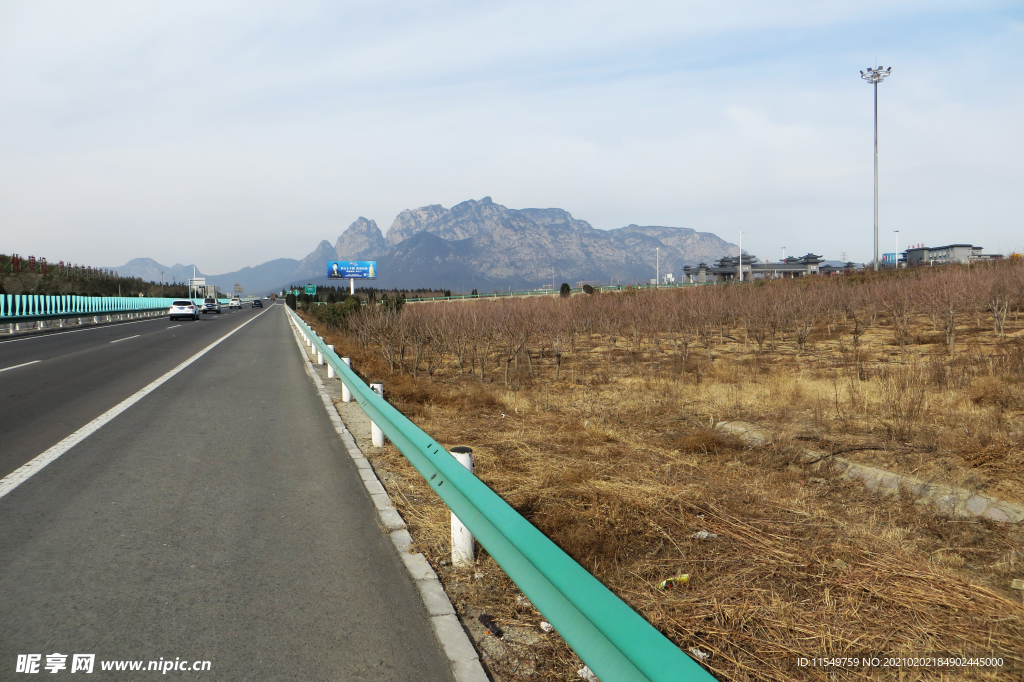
(947, 499)
(463, 658)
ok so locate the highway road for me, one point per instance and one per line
(217, 518)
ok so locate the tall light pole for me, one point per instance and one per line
(896, 257)
(741, 255)
(657, 267)
(874, 77)
(783, 254)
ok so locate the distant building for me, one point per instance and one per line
(953, 253)
(727, 268)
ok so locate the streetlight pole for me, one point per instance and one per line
(874, 77)
(896, 256)
(657, 267)
(741, 255)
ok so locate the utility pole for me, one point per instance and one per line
(657, 267)
(741, 255)
(874, 77)
(896, 257)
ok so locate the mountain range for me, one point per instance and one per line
(476, 245)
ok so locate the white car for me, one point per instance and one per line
(183, 308)
(234, 303)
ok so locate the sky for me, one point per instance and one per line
(228, 133)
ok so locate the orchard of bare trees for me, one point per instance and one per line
(594, 416)
(499, 339)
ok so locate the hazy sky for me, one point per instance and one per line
(230, 133)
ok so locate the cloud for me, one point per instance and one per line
(269, 125)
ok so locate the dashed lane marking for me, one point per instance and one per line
(24, 364)
(31, 468)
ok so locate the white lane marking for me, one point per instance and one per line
(21, 365)
(125, 338)
(75, 331)
(173, 326)
(31, 468)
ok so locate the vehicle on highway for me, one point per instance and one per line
(183, 308)
(211, 305)
(234, 303)
(257, 303)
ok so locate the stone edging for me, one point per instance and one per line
(462, 657)
(947, 499)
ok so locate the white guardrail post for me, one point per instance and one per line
(330, 367)
(346, 395)
(377, 436)
(463, 544)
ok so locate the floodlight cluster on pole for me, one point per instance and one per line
(874, 77)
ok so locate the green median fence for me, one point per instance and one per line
(612, 639)
(28, 308)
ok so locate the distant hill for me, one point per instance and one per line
(480, 245)
(151, 271)
(483, 245)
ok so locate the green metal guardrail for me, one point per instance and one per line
(31, 307)
(611, 638)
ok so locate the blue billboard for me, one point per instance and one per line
(351, 269)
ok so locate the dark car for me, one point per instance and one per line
(257, 303)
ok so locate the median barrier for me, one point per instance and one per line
(16, 309)
(615, 642)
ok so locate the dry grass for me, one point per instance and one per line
(616, 463)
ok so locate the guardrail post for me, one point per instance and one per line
(319, 357)
(346, 395)
(330, 367)
(463, 544)
(377, 436)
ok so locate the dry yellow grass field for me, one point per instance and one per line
(616, 461)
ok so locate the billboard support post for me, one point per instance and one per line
(352, 286)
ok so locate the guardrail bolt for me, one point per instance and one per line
(330, 367)
(463, 544)
(375, 432)
(346, 395)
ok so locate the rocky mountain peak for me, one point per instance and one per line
(412, 221)
(361, 241)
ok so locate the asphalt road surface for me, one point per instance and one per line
(216, 519)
